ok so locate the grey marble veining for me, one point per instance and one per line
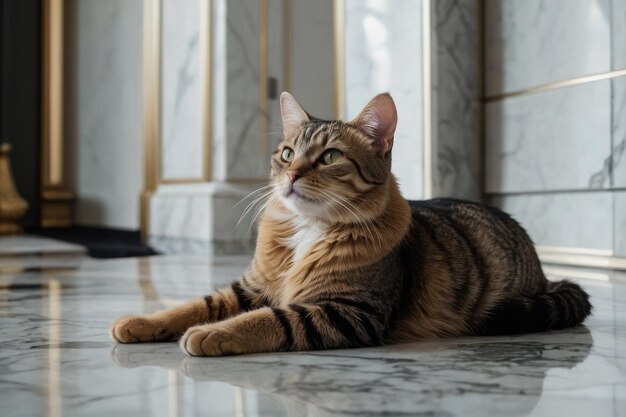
(182, 138)
(382, 53)
(456, 88)
(582, 219)
(534, 142)
(534, 42)
(618, 138)
(57, 359)
(103, 119)
(618, 34)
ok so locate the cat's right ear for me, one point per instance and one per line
(292, 114)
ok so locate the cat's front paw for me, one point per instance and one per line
(209, 340)
(134, 329)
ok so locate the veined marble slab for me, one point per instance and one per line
(579, 220)
(618, 34)
(383, 54)
(534, 42)
(57, 358)
(182, 138)
(536, 142)
(618, 159)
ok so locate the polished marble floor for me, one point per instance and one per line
(56, 358)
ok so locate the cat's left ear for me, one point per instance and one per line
(378, 121)
(292, 114)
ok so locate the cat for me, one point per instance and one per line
(342, 260)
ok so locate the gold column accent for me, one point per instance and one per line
(339, 10)
(56, 200)
(12, 206)
(151, 106)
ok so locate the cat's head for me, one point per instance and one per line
(335, 170)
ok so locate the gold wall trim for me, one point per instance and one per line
(56, 200)
(151, 106)
(287, 11)
(263, 105)
(594, 258)
(427, 98)
(557, 85)
(206, 68)
(339, 45)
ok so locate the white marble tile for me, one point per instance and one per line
(535, 142)
(579, 220)
(182, 116)
(618, 34)
(456, 91)
(619, 210)
(103, 119)
(57, 358)
(28, 244)
(534, 42)
(618, 86)
(382, 53)
(245, 145)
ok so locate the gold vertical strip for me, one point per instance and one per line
(55, 210)
(287, 44)
(206, 52)
(263, 110)
(53, 92)
(339, 9)
(151, 105)
(427, 98)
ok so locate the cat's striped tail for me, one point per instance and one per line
(564, 304)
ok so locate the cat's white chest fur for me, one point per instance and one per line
(308, 232)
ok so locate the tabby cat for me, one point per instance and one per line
(343, 260)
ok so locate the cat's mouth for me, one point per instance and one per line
(295, 194)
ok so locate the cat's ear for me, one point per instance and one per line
(292, 114)
(378, 121)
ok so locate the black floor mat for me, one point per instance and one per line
(100, 242)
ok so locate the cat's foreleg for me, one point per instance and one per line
(327, 325)
(170, 324)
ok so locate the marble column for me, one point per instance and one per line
(398, 47)
(215, 148)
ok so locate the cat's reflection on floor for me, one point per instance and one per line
(493, 376)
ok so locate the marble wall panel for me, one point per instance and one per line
(182, 142)
(534, 42)
(456, 88)
(245, 146)
(275, 66)
(383, 53)
(311, 56)
(618, 34)
(557, 140)
(581, 220)
(619, 131)
(619, 210)
(103, 112)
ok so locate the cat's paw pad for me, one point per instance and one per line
(135, 329)
(208, 340)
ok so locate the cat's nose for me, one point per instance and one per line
(293, 177)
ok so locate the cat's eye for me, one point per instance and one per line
(331, 156)
(287, 155)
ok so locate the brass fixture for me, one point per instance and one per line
(12, 206)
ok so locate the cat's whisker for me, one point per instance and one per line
(253, 192)
(258, 200)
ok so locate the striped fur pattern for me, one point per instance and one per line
(343, 260)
